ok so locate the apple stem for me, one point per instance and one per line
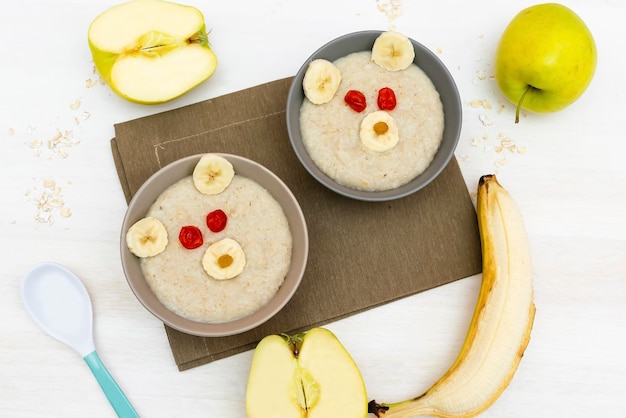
(295, 341)
(376, 408)
(519, 103)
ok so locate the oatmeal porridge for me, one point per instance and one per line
(330, 131)
(255, 221)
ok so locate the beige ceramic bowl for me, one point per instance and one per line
(170, 174)
(436, 71)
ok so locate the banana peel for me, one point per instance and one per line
(499, 331)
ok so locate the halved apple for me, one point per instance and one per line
(308, 375)
(151, 51)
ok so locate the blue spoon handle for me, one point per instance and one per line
(114, 394)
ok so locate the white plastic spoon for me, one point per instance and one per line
(59, 303)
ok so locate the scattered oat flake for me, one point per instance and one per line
(390, 8)
(56, 137)
(11, 132)
(484, 103)
(86, 115)
(59, 143)
(440, 50)
(75, 105)
(48, 200)
(44, 218)
(521, 150)
(484, 119)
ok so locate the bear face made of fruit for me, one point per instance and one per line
(378, 131)
(223, 259)
(371, 120)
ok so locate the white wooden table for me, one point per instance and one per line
(568, 174)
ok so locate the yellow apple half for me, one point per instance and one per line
(151, 51)
(308, 375)
(545, 59)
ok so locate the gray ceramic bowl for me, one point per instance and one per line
(430, 64)
(145, 197)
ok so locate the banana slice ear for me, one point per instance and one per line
(321, 81)
(147, 237)
(393, 51)
(212, 174)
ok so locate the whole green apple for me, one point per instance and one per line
(546, 58)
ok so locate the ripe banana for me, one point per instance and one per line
(212, 174)
(224, 259)
(500, 328)
(393, 51)
(146, 237)
(321, 81)
(379, 131)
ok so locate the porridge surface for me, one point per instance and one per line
(330, 132)
(255, 220)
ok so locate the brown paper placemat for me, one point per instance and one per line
(362, 254)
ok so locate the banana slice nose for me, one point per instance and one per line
(224, 259)
(379, 131)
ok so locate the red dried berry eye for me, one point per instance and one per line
(386, 99)
(356, 100)
(216, 220)
(190, 237)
